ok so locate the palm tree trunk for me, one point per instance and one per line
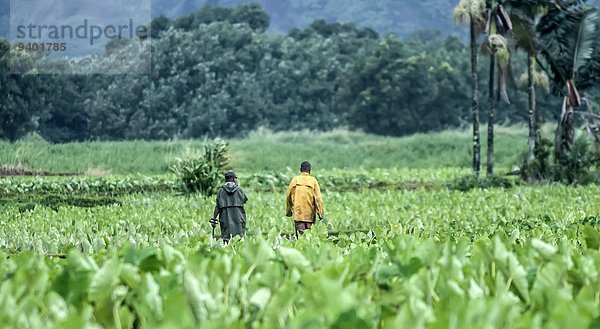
(533, 140)
(474, 101)
(490, 137)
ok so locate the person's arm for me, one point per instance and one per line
(213, 220)
(289, 203)
(216, 212)
(245, 196)
(319, 200)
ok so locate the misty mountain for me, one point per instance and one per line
(403, 17)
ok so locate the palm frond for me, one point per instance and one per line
(568, 36)
(589, 75)
(524, 33)
(487, 14)
(540, 79)
(584, 37)
(461, 14)
(467, 10)
(504, 17)
(502, 93)
(498, 45)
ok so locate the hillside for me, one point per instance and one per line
(402, 17)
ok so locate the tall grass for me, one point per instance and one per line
(266, 150)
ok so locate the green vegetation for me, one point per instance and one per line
(409, 239)
(399, 247)
(203, 172)
(524, 257)
(264, 150)
(424, 247)
(27, 202)
(112, 186)
(216, 72)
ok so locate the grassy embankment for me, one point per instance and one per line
(264, 150)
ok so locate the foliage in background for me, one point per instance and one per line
(577, 166)
(18, 189)
(570, 43)
(203, 171)
(541, 167)
(466, 183)
(217, 72)
(402, 87)
(85, 186)
(28, 202)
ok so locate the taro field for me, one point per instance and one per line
(397, 249)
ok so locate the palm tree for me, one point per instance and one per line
(498, 23)
(470, 11)
(525, 15)
(569, 36)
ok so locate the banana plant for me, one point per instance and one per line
(569, 35)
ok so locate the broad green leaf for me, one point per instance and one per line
(592, 237)
(294, 259)
(261, 297)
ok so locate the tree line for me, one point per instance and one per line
(217, 72)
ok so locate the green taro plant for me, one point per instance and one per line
(201, 173)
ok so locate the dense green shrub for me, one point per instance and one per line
(576, 166)
(201, 172)
(470, 182)
(541, 166)
(26, 202)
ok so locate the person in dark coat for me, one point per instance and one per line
(230, 208)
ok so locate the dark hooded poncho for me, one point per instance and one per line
(232, 216)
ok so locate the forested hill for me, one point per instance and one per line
(404, 17)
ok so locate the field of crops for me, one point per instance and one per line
(402, 244)
(397, 249)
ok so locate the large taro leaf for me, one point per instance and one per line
(74, 280)
(104, 292)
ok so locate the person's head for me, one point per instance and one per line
(305, 167)
(230, 176)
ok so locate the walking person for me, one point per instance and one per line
(303, 200)
(230, 208)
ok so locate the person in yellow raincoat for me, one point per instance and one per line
(303, 200)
